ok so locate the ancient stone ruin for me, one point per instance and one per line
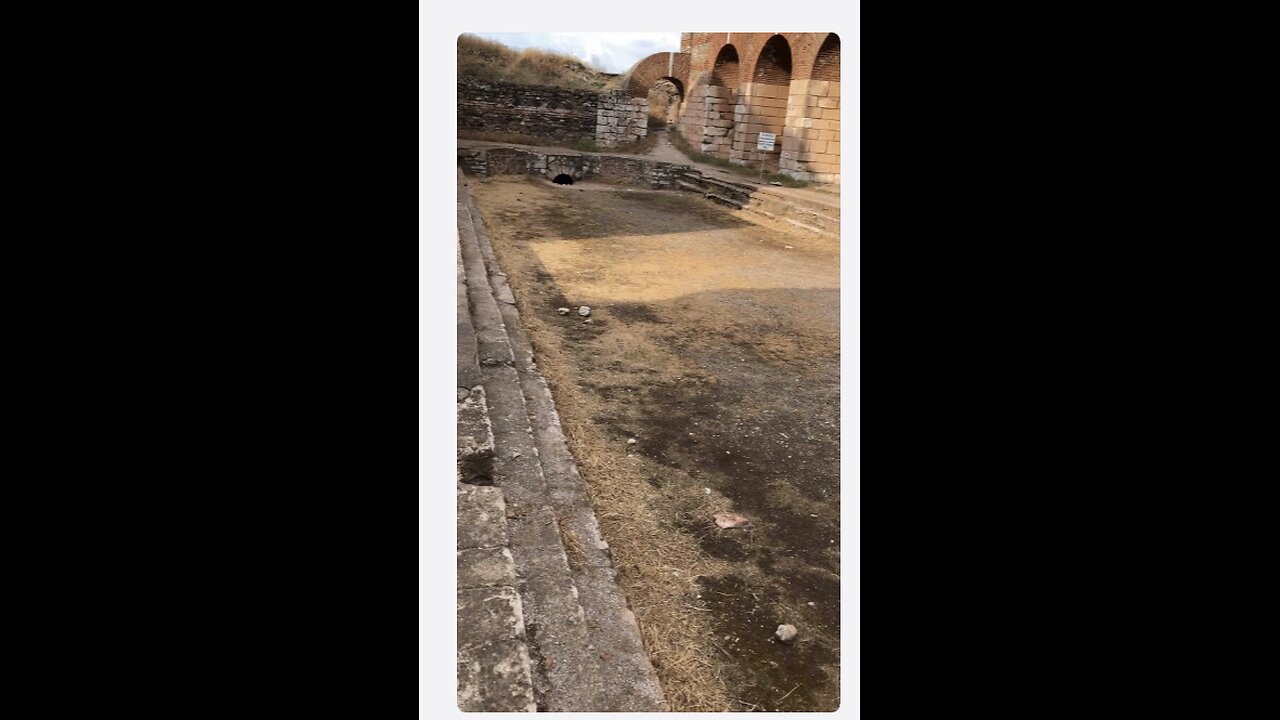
(720, 92)
(733, 86)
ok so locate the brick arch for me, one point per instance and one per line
(641, 77)
(726, 72)
(773, 64)
(675, 81)
(826, 65)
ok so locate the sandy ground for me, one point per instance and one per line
(714, 343)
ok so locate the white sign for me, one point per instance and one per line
(766, 141)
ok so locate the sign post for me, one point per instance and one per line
(764, 141)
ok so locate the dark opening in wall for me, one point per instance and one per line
(563, 179)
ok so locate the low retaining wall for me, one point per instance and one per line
(609, 168)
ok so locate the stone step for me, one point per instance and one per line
(627, 679)
(739, 191)
(494, 667)
(468, 360)
(727, 202)
(565, 639)
(475, 434)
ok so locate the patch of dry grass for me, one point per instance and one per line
(481, 59)
(658, 565)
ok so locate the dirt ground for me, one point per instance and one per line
(714, 343)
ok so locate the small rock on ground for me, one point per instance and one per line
(563, 311)
(730, 520)
(785, 632)
(584, 311)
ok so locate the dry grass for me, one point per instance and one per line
(658, 566)
(572, 545)
(481, 59)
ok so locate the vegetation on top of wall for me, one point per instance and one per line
(481, 59)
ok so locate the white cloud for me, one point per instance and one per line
(612, 52)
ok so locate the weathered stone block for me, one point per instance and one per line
(487, 615)
(828, 102)
(485, 567)
(482, 518)
(495, 678)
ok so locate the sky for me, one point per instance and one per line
(612, 52)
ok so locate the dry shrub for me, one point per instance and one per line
(481, 59)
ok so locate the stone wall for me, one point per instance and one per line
(526, 109)
(811, 150)
(611, 119)
(621, 119)
(760, 108)
(490, 161)
(717, 132)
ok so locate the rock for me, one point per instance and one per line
(785, 632)
(563, 311)
(730, 520)
(584, 311)
(587, 321)
(631, 441)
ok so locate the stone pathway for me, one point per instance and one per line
(664, 151)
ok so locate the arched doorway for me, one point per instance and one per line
(765, 104)
(665, 100)
(774, 65)
(725, 71)
(826, 66)
(721, 94)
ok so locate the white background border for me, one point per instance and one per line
(439, 25)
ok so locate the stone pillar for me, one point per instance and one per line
(693, 116)
(621, 119)
(811, 145)
(760, 108)
(718, 125)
